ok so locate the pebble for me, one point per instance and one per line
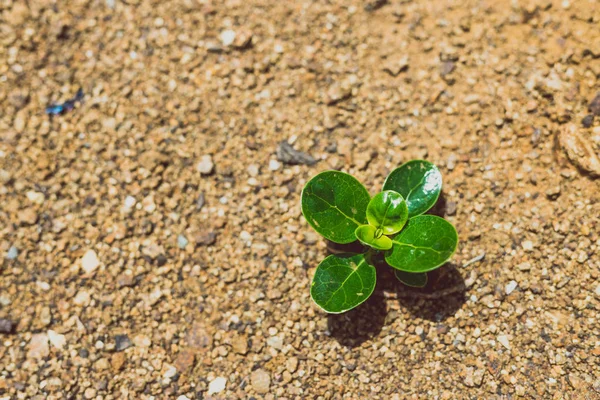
(260, 381)
(38, 346)
(56, 339)
(27, 216)
(35, 197)
(240, 345)
(503, 340)
(291, 364)
(205, 238)
(90, 261)
(227, 37)
(6, 326)
(274, 165)
(288, 155)
(82, 298)
(217, 385)
(510, 287)
(12, 253)
(528, 245)
(205, 166)
(182, 241)
(170, 372)
(122, 342)
(275, 342)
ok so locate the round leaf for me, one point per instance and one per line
(413, 280)
(342, 282)
(387, 211)
(420, 182)
(426, 243)
(334, 204)
(366, 234)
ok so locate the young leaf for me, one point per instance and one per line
(426, 242)
(342, 282)
(334, 204)
(367, 235)
(413, 280)
(420, 182)
(387, 211)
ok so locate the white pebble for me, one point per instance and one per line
(170, 372)
(253, 170)
(528, 245)
(35, 197)
(274, 165)
(217, 385)
(503, 339)
(56, 339)
(510, 286)
(89, 261)
(205, 166)
(129, 202)
(227, 37)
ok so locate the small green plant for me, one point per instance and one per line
(391, 225)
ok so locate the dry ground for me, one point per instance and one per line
(152, 242)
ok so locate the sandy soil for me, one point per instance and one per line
(151, 238)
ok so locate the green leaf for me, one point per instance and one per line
(334, 204)
(342, 282)
(387, 211)
(420, 182)
(426, 243)
(367, 234)
(409, 279)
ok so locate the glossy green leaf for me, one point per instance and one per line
(342, 282)
(419, 182)
(426, 243)
(409, 279)
(387, 211)
(334, 204)
(371, 236)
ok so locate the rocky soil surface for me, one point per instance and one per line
(151, 237)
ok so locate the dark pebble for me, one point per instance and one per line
(587, 121)
(6, 326)
(122, 342)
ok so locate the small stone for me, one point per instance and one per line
(35, 197)
(89, 393)
(528, 245)
(288, 155)
(274, 165)
(574, 381)
(503, 339)
(594, 105)
(12, 253)
(260, 381)
(122, 342)
(510, 287)
(227, 37)
(253, 170)
(587, 121)
(205, 238)
(275, 342)
(183, 397)
(184, 362)
(291, 364)
(205, 166)
(27, 216)
(129, 202)
(142, 341)
(217, 385)
(102, 364)
(56, 339)
(7, 326)
(170, 372)
(38, 346)
(117, 360)
(82, 298)
(90, 261)
(337, 93)
(182, 241)
(240, 345)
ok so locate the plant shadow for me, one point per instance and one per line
(441, 298)
(440, 207)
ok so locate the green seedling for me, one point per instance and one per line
(391, 226)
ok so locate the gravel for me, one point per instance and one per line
(205, 119)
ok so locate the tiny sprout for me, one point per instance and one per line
(391, 224)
